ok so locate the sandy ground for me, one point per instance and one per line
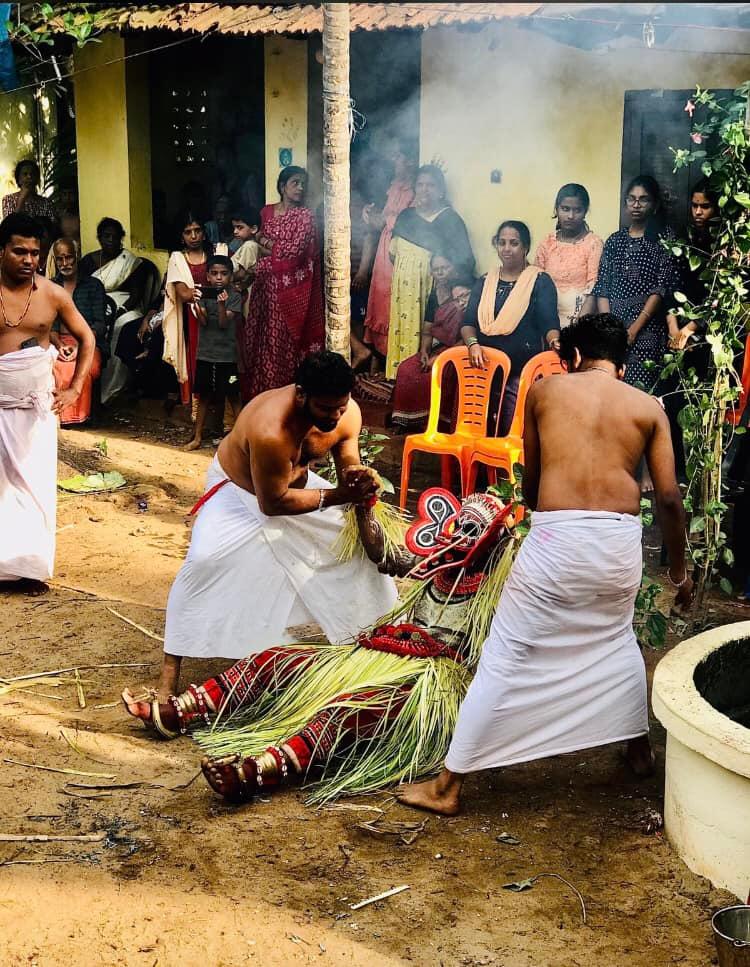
(181, 879)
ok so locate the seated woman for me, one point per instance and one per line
(442, 329)
(514, 308)
(91, 301)
(131, 281)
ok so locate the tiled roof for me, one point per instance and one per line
(306, 18)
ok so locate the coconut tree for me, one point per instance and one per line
(336, 175)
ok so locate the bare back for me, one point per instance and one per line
(48, 300)
(584, 437)
(269, 425)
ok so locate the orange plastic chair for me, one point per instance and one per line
(474, 386)
(501, 453)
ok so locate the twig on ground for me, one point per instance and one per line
(135, 784)
(65, 772)
(80, 668)
(79, 691)
(134, 624)
(108, 705)
(380, 896)
(83, 795)
(34, 862)
(51, 838)
(523, 885)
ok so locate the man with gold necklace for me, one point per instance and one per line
(29, 404)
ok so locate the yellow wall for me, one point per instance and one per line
(542, 113)
(286, 105)
(113, 140)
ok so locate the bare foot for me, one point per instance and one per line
(195, 444)
(640, 757)
(431, 795)
(231, 777)
(141, 706)
(359, 359)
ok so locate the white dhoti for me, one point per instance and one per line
(248, 578)
(28, 464)
(561, 669)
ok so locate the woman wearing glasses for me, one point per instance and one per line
(636, 276)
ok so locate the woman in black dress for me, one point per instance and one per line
(636, 275)
(514, 309)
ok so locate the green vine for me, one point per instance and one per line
(720, 142)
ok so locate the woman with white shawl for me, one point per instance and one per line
(186, 273)
(131, 282)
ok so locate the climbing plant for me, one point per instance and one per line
(719, 142)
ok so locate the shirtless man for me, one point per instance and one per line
(254, 567)
(29, 305)
(561, 669)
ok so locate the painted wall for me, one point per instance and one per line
(544, 114)
(114, 144)
(286, 105)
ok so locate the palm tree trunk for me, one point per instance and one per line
(336, 261)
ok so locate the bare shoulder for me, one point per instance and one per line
(51, 290)
(550, 386)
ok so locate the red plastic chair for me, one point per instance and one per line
(734, 416)
(501, 453)
(474, 386)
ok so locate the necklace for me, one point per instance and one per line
(6, 320)
(597, 369)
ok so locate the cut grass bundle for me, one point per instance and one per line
(392, 523)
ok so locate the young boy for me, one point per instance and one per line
(246, 225)
(218, 312)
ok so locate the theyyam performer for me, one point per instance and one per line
(561, 669)
(350, 718)
(262, 556)
(29, 404)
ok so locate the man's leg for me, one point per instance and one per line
(640, 756)
(169, 679)
(200, 420)
(242, 683)
(338, 724)
(439, 795)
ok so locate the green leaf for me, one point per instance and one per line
(697, 525)
(726, 586)
(93, 483)
(728, 556)
(742, 198)
(680, 296)
(677, 250)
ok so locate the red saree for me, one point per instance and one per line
(285, 314)
(411, 395)
(192, 326)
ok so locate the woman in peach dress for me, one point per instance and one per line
(570, 255)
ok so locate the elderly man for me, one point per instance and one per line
(262, 558)
(29, 305)
(561, 669)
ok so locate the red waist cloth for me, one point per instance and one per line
(409, 641)
(208, 495)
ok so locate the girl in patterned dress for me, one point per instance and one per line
(637, 274)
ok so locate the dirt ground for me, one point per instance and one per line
(181, 879)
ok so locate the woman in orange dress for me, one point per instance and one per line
(570, 255)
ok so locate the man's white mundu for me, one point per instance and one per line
(561, 669)
(28, 464)
(247, 578)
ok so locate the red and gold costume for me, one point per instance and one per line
(352, 718)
